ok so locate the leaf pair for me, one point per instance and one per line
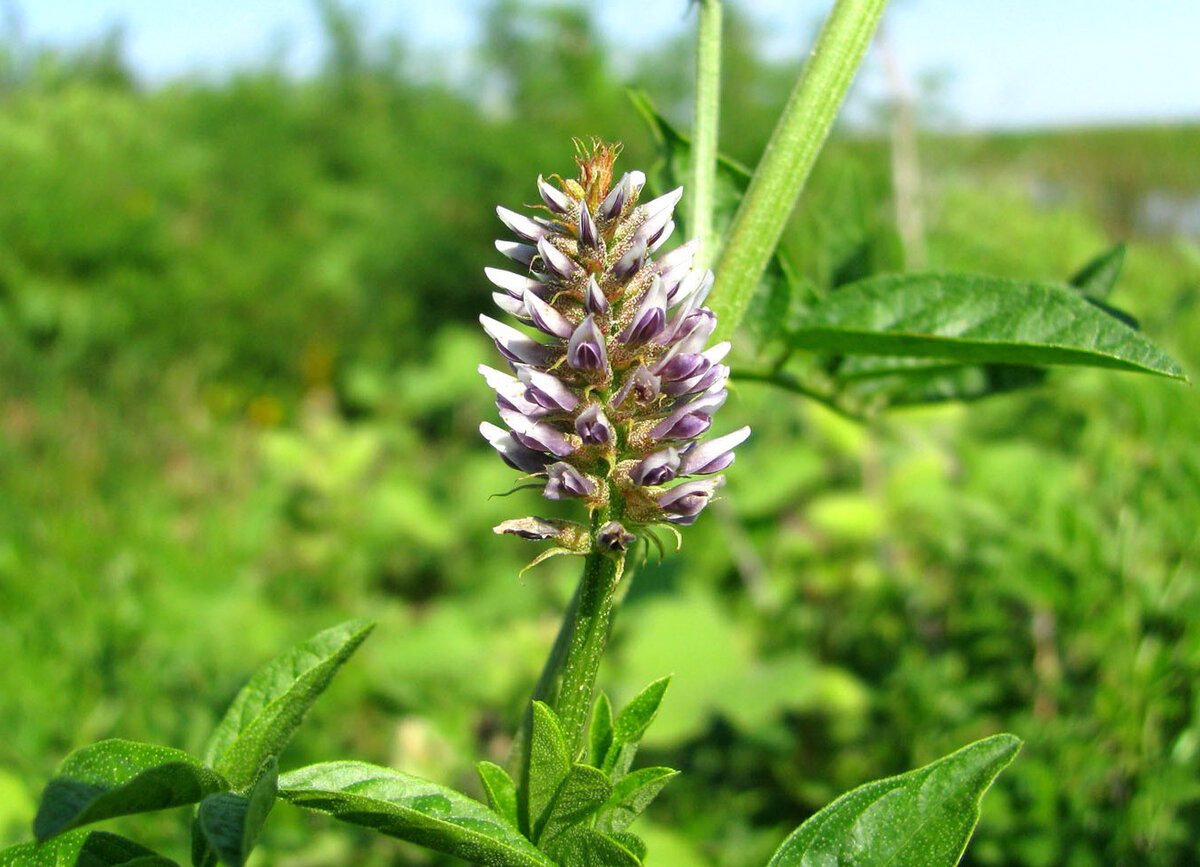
(234, 787)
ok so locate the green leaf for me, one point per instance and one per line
(585, 847)
(975, 318)
(923, 817)
(633, 843)
(1097, 278)
(229, 823)
(117, 778)
(83, 849)
(631, 796)
(267, 711)
(409, 808)
(548, 764)
(601, 733)
(500, 789)
(582, 793)
(631, 724)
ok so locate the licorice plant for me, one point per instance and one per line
(609, 390)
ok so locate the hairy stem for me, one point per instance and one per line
(701, 190)
(789, 157)
(585, 648)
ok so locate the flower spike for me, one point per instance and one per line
(613, 382)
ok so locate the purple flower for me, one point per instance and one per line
(557, 262)
(630, 263)
(683, 503)
(658, 469)
(642, 384)
(546, 390)
(517, 456)
(585, 351)
(520, 253)
(608, 397)
(514, 345)
(650, 317)
(546, 318)
(521, 225)
(589, 235)
(701, 459)
(593, 298)
(555, 200)
(563, 481)
(593, 426)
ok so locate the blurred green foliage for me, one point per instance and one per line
(238, 403)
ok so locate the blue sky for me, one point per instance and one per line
(1011, 63)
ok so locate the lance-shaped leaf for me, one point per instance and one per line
(546, 768)
(975, 319)
(629, 726)
(601, 732)
(582, 793)
(227, 824)
(89, 848)
(900, 381)
(267, 711)
(500, 789)
(409, 808)
(117, 778)
(923, 817)
(630, 797)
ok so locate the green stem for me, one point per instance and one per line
(702, 186)
(788, 382)
(789, 156)
(585, 648)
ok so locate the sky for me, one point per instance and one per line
(1011, 64)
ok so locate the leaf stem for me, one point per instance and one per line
(789, 156)
(789, 382)
(702, 186)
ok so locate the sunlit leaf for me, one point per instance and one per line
(546, 768)
(581, 794)
(631, 724)
(586, 847)
(631, 796)
(85, 848)
(409, 808)
(975, 318)
(118, 778)
(267, 711)
(500, 789)
(924, 817)
(601, 732)
(229, 823)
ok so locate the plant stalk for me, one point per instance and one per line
(789, 156)
(702, 186)
(585, 648)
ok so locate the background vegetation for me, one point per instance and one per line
(238, 403)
